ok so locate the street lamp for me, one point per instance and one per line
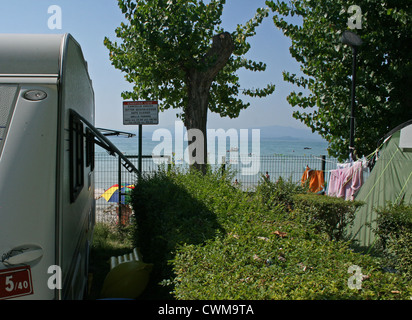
(354, 41)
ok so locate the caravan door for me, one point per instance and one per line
(27, 188)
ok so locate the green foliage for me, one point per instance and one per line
(176, 52)
(384, 68)
(174, 208)
(108, 241)
(326, 214)
(109, 237)
(210, 240)
(394, 232)
(280, 192)
(163, 41)
(251, 267)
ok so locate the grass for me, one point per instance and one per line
(108, 241)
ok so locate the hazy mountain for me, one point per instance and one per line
(266, 132)
(288, 133)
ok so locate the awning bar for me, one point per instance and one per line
(105, 143)
(110, 132)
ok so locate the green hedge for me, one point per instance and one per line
(280, 192)
(173, 209)
(210, 240)
(251, 267)
(326, 214)
(394, 234)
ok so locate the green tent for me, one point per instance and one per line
(390, 181)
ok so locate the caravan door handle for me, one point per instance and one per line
(23, 255)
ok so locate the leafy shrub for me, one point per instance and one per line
(210, 240)
(279, 192)
(394, 233)
(278, 260)
(326, 214)
(173, 208)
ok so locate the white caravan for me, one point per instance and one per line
(47, 137)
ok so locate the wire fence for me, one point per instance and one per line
(248, 172)
(109, 174)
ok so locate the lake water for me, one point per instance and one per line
(268, 146)
(279, 157)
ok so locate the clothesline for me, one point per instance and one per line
(349, 163)
(344, 181)
(317, 158)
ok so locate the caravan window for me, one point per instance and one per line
(76, 157)
(89, 149)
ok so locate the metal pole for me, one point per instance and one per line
(352, 112)
(119, 177)
(223, 165)
(323, 172)
(140, 150)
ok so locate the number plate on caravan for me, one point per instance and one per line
(15, 282)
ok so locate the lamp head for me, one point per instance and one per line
(350, 38)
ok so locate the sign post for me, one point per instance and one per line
(140, 113)
(140, 149)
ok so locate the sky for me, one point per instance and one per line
(89, 21)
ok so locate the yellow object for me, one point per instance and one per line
(128, 277)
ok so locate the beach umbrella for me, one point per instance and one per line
(112, 194)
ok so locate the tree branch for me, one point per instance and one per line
(218, 55)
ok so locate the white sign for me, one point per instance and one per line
(140, 112)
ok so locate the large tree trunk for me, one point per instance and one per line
(196, 124)
(199, 81)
